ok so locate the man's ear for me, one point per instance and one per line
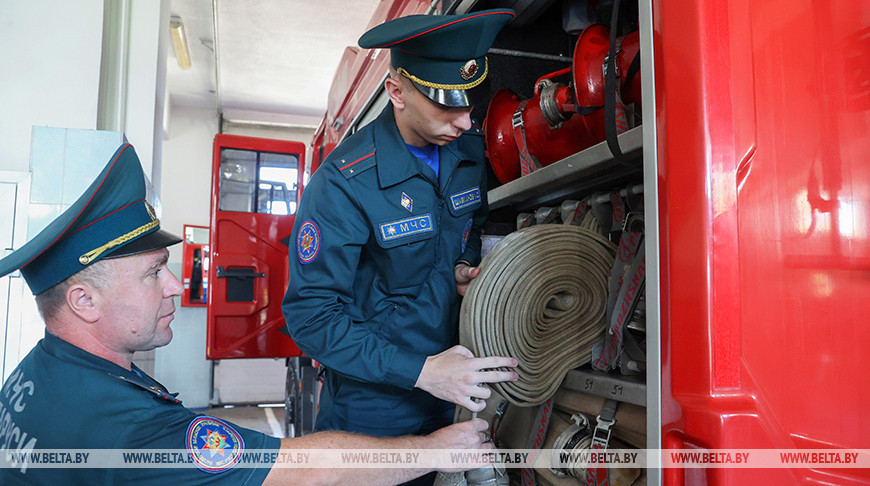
(395, 90)
(83, 300)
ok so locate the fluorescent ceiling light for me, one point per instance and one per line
(179, 42)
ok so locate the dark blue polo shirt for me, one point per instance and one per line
(63, 398)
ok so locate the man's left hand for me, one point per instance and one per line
(464, 274)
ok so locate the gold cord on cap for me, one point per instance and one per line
(93, 254)
(428, 84)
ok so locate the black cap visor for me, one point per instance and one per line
(456, 98)
(151, 241)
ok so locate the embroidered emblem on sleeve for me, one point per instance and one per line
(308, 242)
(465, 234)
(213, 445)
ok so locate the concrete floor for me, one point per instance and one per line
(268, 420)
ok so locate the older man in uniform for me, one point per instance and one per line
(388, 235)
(101, 284)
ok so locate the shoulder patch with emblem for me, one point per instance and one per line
(308, 242)
(213, 445)
(465, 234)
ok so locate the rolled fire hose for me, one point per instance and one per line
(540, 297)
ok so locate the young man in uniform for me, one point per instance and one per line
(101, 283)
(388, 235)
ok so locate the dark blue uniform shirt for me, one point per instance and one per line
(372, 291)
(61, 397)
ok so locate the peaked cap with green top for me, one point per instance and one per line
(111, 219)
(443, 55)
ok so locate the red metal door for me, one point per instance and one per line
(765, 252)
(255, 191)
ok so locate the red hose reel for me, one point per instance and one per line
(560, 120)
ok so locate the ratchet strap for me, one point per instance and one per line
(536, 439)
(596, 474)
(606, 354)
(541, 298)
(620, 349)
(547, 215)
(614, 112)
(528, 162)
(524, 220)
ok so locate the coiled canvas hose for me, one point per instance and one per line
(540, 298)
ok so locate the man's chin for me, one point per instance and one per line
(164, 339)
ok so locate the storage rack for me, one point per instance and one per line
(582, 173)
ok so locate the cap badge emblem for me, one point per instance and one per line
(150, 210)
(468, 70)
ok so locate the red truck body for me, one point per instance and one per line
(764, 256)
(757, 189)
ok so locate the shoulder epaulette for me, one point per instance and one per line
(156, 391)
(355, 162)
(471, 147)
(475, 129)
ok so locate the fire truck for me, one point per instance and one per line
(729, 136)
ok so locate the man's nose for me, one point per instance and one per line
(463, 121)
(173, 288)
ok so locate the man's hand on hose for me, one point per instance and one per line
(455, 374)
(462, 435)
(464, 274)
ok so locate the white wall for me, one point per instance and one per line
(50, 58)
(187, 153)
(50, 53)
(146, 81)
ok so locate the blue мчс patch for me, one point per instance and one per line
(465, 198)
(406, 227)
(213, 445)
(308, 242)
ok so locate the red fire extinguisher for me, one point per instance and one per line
(560, 120)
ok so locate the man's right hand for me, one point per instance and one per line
(463, 435)
(467, 436)
(455, 374)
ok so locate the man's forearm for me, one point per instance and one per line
(321, 475)
(462, 435)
